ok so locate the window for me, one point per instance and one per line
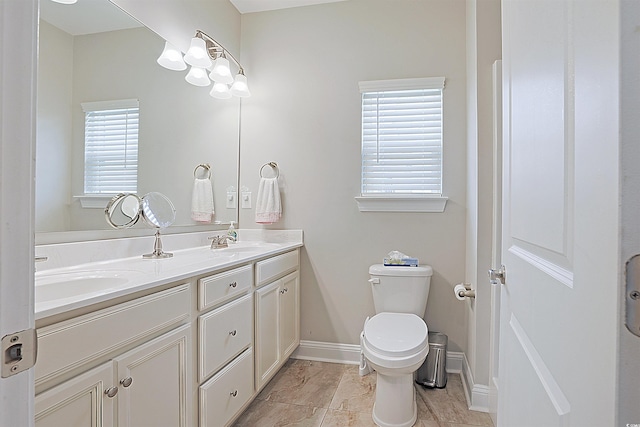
(111, 147)
(402, 145)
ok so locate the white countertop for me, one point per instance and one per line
(134, 274)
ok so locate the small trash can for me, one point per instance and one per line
(433, 372)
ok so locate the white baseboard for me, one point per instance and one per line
(477, 394)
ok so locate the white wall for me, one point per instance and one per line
(303, 66)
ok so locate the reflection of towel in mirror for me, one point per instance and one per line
(268, 208)
(202, 200)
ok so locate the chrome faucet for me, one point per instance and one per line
(221, 241)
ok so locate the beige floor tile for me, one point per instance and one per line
(302, 382)
(355, 393)
(337, 418)
(449, 404)
(262, 413)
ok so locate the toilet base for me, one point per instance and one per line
(395, 404)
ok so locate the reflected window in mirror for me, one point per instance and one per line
(111, 146)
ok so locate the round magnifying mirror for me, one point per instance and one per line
(157, 210)
(123, 210)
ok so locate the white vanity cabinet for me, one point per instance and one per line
(145, 379)
(225, 338)
(277, 313)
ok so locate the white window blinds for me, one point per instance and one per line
(111, 147)
(402, 137)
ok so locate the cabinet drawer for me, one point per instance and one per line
(277, 266)
(70, 344)
(226, 393)
(223, 334)
(216, 289)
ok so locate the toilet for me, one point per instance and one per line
(395, 340)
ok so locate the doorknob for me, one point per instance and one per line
(498, 276)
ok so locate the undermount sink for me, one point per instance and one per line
(50, 287)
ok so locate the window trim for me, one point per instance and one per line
(402, 203)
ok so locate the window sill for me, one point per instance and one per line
(401, 204)
(94, 201)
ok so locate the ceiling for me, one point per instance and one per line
(248, 6)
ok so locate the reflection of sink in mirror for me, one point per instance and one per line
(68, 285)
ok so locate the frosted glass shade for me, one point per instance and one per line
(240, 87)
(171, 58)
(197, 55)
(221, 72)
(198, 76)
(65, 1)
(220, 91)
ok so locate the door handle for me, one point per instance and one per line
(498, 276)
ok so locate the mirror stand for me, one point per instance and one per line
(157, 249)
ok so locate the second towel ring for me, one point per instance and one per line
(272, 165)
(204, 166)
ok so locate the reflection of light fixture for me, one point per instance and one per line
(171, 58)
(65, 1)
(220, 91)
(197, 76)
(206, 53)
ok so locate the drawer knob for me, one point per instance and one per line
(234, 393)
(111, 391)
(284, 290)
(233, 333)
(233, 285)
(126, 382)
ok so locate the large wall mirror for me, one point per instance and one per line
(93, 51)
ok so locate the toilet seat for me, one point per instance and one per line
(395, 340)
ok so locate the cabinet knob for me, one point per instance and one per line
(234, 393)
(284, 290)
(233, 333)
(126, 382)
(111, 391)
(233, 285)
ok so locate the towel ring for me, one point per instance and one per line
(272, 165)
(204, 166)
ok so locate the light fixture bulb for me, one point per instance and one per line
(221, 72)
(197, 55)
(197, 76)
(240, 87)
(65, 1)
(220, 91)
(171, 58)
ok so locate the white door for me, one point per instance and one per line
(560, 213)
(18, 41)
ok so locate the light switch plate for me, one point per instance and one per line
(246, 200)
(231, 200)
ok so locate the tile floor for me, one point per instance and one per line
(319, 394)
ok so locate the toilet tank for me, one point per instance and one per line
(400, 289)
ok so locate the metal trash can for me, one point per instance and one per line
(433, 372)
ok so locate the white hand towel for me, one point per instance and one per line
(268, 208)
(202, 201)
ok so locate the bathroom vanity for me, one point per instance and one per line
(184, 341)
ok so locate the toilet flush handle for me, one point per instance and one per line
(374, 281)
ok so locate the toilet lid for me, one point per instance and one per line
(396, 334)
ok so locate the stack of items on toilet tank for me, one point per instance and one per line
(397, 258)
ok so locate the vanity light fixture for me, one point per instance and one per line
(171, 58)
(65, 1)
(206, 54)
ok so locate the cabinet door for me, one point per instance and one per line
(267, 336)
(79, 402)
(289, 314)
(154, 382)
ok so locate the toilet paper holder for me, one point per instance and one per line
(463, 290)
